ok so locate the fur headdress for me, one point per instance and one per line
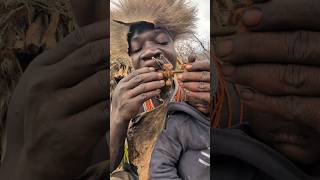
(176, 16)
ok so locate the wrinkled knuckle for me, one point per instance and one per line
(293, 110)
(137, 79)
(298, 45)
(134, 74)
(201, 86)
(80, 36)
(143, 96)
(93, 55)
(251, 43)
(292, 77)
(182, 77)
(143, 87)
(209, 87)
(207, 63)
(207, 77)
(206, 87)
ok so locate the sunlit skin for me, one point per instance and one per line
(145, 83)
(152, 43)
(149, 45)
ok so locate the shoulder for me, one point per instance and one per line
(182, 113)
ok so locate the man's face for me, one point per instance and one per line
(298, 142)
(151, 43)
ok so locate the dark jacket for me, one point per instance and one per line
(182, 150)
(237, 156)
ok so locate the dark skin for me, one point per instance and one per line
(87, 12)
(146, 83)
(279, 76)
(53, 124)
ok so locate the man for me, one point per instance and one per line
(142, 33)
(54, 121)
(275, 66)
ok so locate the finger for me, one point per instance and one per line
(276, 79)
(145, 96)
(93, 121)
(203, 65)
(192, 59)
(198, 97)
(292, 108)
(86, 93)
(299, 47)
(138, 72)
(152, 63)
(144, 78)
(75, 40)
(81, 63)
(204, 108)
(199, 100)
(147, 87)
(197, 86)
(287, 15)
(203, 76)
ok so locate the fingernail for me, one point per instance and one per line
(224, 48)
(188, 66)
(246, 94)
(162, 82)
(160, 75)
(151, 69)
(227, 69)
(180, 76)
(252, 17)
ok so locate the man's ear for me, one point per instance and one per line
(90, 11)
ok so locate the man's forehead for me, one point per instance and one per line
(149, 32)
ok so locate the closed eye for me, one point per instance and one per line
(137, 50)
(163, 43)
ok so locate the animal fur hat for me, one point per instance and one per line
(176, 16)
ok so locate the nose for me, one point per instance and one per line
(149, 53)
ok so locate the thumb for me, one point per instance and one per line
(192, 59)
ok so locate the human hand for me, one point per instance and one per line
(63, 120)
(196, 81)
(281, 68)
(133, 90)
